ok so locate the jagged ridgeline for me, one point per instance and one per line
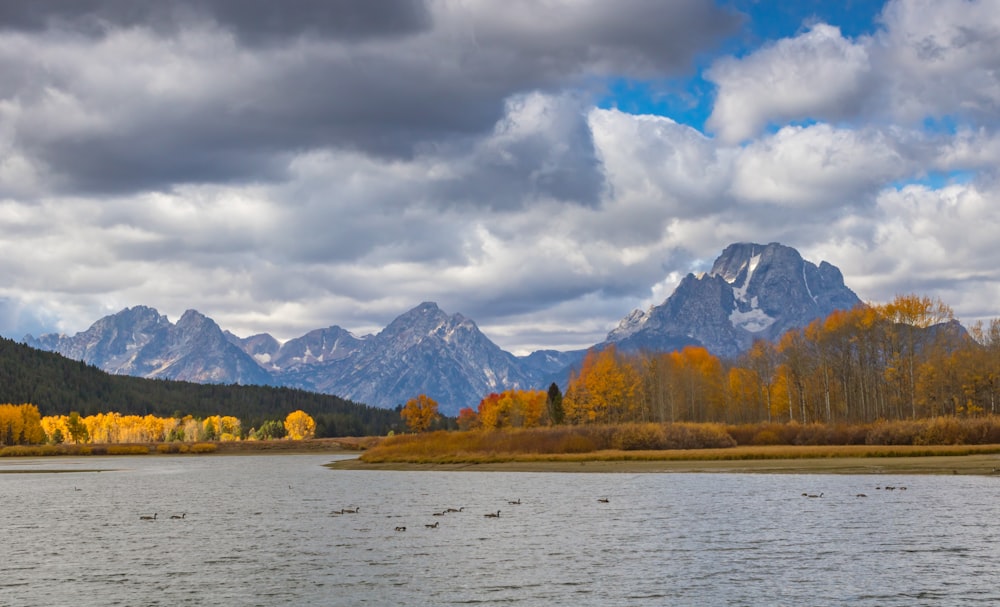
(58, 386)
(752, 291)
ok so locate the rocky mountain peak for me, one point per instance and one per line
(752, 291)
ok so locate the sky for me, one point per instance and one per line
(542, 167)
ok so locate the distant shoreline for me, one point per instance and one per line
(975, 464)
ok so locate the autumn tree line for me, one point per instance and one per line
(905, 360)
(24, 425)
(59, 386)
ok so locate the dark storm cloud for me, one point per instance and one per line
(386, 78)
(252, 21)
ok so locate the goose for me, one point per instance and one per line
(515, 503)
(178, 517)
(148, 518)
(861, 495)
(493, 515)
(453, 510)
(603, 500)
(434, 526)
(400, 528)
(349, 511)
(814, 495)
(438, 513)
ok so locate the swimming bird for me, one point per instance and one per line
(148, 518)
(603, 500)
(861, 495)
(400, 528)
(493, 515)
(453, 510)
(515, 503)
(179, 517)
(814, 495)
(349, 511)
(434, 526)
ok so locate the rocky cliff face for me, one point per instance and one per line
(752, 291)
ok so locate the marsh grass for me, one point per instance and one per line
(686, 441)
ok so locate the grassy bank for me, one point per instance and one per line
(941, 445)
(317, 445)
(845, 459)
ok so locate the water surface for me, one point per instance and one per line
(267, 530)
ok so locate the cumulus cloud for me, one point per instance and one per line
(283, 170)
(940, 59)
(820, 167)
(816, 75)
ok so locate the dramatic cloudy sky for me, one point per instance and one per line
(542, 167)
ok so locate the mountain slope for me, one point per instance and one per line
(423, 351)
(139, 341)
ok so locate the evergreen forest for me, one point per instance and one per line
(59, 386)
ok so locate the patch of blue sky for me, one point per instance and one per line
(689, 100)
(685, 101)
(772, 19)
(941, 125)
(936, 180)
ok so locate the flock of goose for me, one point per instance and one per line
(446, 511)
(878, 488)
(176, 517)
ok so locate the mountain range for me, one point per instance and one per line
(752, 291)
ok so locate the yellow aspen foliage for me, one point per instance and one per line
(419, 413)
(20, 425)
(114, 428)
(55, 428)
(299, 425)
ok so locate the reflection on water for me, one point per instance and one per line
(268, 530)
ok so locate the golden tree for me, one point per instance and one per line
(299, 425)
(419, 413)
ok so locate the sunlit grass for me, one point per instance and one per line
(704, 442)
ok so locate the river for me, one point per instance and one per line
(269, 530)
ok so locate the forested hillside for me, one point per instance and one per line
(59, 386)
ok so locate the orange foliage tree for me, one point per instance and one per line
(513, 409)
(419, 413)
(901, 360)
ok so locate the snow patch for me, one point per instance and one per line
(740, 293)
(806, 283)
(753, 320)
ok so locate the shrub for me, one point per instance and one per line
(128, 450)
(766, 437)
(203, 448)
(636, 437)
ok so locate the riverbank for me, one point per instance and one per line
(979, 460)
(313, 445)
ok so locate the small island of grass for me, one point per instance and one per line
(942, 446)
